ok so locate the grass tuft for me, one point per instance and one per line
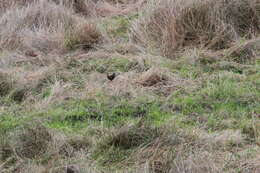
(170, 25)
(30, 141)
(185, 96)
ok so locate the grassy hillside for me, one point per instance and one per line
(185, 98)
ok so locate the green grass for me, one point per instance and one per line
(221, 98)
(111, 64)
(117, 27)
(223, 94)
(79, 114)
(115, 148)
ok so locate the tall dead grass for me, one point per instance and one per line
(78, 6)
(82, 7)
(5, 83)
(7, 4)
(167, 26)
(42, 26)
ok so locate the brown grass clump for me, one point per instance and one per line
(9, 87)
(81, 7)
(241, 52)
(5, 149)
(172, 24)
(42, 26)
(159, 155)
(18, 84)
(132, 137)
(74, 144)
(5, 83)
(194, 151)
(252, 165)
(223, 140)
(123, 141)
(245, 16)
(117, 7)
(121, 1)
(84, 35)
(196, 163)
(153, 77)
(7, 4)
(162, 82)
(45, 20)
(78, 6)
(31, 141)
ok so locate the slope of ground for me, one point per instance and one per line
(185, 98)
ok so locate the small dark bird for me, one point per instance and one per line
(71, 169)
(111, 76)
(30, 53)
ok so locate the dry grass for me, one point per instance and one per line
(31, 142)
(7, 4)
(84, 35)
(196, 163)
(10, 88)
(132, 84)
(5, 83)
(122, 1)
(118, 7)
(157, 116)
(240, 51)
(175, 151)
(149, 149)
(39, 149)
(153, 77)
(121, 86)
(162, 82)
(132, 137)
(43, 26)
(19, 84)
(81, 7)
(170, 25)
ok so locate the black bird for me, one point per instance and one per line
(71, 169)
(111, 76)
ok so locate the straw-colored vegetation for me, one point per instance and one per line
(185, 97)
